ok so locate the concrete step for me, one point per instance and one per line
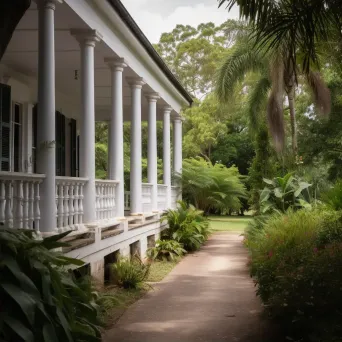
(105, 234)
(78, 243)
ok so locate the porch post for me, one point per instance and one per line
(46, 113)
(177, 144)
(152, 173)
(87, 39)
(167, 154)
(136, 169)
(116, 150)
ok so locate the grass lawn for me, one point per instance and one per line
(160, 269)
(229, 223)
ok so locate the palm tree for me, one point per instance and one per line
(277, 78)
(292, 24)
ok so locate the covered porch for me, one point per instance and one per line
(68, 65)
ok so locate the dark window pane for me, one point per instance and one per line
(16, 149)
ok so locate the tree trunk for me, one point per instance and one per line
(291, 98)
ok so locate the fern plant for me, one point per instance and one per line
(129, 273)
(187, 225)
(41, 301)
(166, 250)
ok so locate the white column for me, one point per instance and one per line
(167, 153)
(152, 161)
(177, 145)
(135, 165)
(46, 162)
(87, 39)
(115, 146)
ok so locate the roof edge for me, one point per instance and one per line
(137, 32)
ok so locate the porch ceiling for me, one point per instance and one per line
(22, 56)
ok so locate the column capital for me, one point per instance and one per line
(115, 63)
(152, 97)
(135, 82)
(86, 36)
(49, 4)
(178, 119)
(167, 109)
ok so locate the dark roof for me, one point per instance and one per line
(135, 29)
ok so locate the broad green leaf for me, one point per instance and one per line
(265, 195)
(278, 192)
(302, 186)
(23, 299)
(18, 328)
(49, 333)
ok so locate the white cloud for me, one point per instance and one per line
(153, 20)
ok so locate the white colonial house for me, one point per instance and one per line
(71, 63)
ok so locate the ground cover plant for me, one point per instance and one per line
(166, 250)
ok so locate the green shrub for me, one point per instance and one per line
(40, 299)
(333, 196)
(296, 260)
(281, 194)
(187, 225)
(129, 273)
(211, 187)
(166, 250)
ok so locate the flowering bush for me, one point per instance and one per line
(296, 261)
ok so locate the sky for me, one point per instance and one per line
(157, 16)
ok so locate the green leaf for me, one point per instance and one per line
(278, 192)
(24, 300)
(265, 195)
(49, 333)
(302, 186)
(18, 328)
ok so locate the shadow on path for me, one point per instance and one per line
(208, 296)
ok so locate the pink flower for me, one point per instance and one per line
(315, 249)
(270, 254)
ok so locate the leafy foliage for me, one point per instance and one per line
(40, 299)
(333, 196)
(129, 273)
(210, 186)
(295, 260)
(187, 225)
(166, 250)
(283, 193)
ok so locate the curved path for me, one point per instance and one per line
(208, 296)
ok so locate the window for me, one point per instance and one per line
(5, 127)
(16, 137)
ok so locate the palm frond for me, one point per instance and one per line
(241, 60)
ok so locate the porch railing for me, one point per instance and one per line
(175, 196)
(162, 197)
(147, 197)
(69, 202)
(19, 200)
(105, 199)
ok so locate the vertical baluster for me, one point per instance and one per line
(101, 201)
(80, 204)
(76, 201)
(26, 205)
(97, 201)
(60, 207)
(66, 205)
(113, 211)
(9, 204)
(36, 206)
(19, 208)
(71, 205)
(2, 202)
(107, 204)
(31, 205)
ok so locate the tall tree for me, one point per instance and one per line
(192, 53)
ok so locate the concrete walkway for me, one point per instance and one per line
(209, 296)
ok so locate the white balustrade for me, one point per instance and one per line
(19, 200)
(162, 197)
(127, 200)
(175, 196)
(69, 202)
(105, 199)
(147, 197)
